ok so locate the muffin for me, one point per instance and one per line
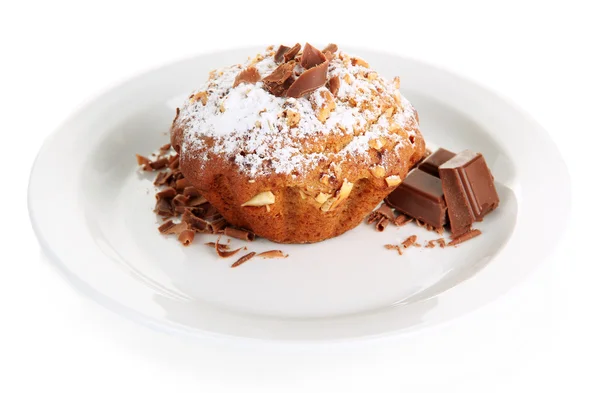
(297, 146)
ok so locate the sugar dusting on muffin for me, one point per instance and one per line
(340, 122)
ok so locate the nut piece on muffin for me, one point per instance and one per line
(297, 146)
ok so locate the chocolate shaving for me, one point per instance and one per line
(217, 225)
(143, 162)
(383, 222)
(311, 56)
(197, 201)
(334, 85)
(372, 217)
(170, 228)
(159, 164)
(196, 223)
(402, 220)
(441, 241)
(241, 234)
(420, 223)
(223, 247)
(164, 208)
(272, 254)
(225, 254)
(162, 178)
(465, 236)
(181, 184)
(180, 200)
(331, 48)
(167, 193)
(165, 148)
(385, 211)
(191, 192)
(280, 52)
(174, 162)
(279, 81)
(291, 53)
(394, 247)
(186, 237)
(309, 81)
(249, 75)
(430, 244)
(243, 259)
(409, 241)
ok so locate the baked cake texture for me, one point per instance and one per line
(297, 146)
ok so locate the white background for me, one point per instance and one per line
(543, 334)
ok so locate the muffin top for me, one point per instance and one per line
(298, 113)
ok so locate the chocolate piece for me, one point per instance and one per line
(441, 241)
(159, 164)
(334, 85)
(249, 75)
(394, 247)
(181, 184)
(272, 254)
(420, 196)
(432, 163)
(196, 223)
(162, 178)
(279, 81)
(239, 234)
(311, 57)
(309, 81)
(331, 48)
(243, 259)
(469, 190)
(165, 148)
(143, 162)
(279, 54)
(191, 192)
(430, 244)
(186, 237)
(402, 219)
(291, 53)
(464, 237)
(409, 241)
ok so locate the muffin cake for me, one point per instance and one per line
(297, 144)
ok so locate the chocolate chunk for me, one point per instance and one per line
(143, 162)
(191, 192)
(162, 178)
(311, 57)
(420, 196)
(166, 193)
(469, 190)
(464, 237)
(249, 75)
(334, 85)
(309, 81)
(159, 164)
(432, 163)
(243, 259)
(331, 48)
(291, 53)
(280, 52)
(239, 234)
(196, 223)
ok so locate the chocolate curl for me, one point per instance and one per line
(334, 85)
(243, 259)
(383, 222)
(291, 53)
(186, 237)
(225, 254)
(409, 241)
(309, 81)
(465, 236)
(248, 75)
(239, 234)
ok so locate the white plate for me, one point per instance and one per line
(93, 215)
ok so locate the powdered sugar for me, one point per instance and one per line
(254, 127)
